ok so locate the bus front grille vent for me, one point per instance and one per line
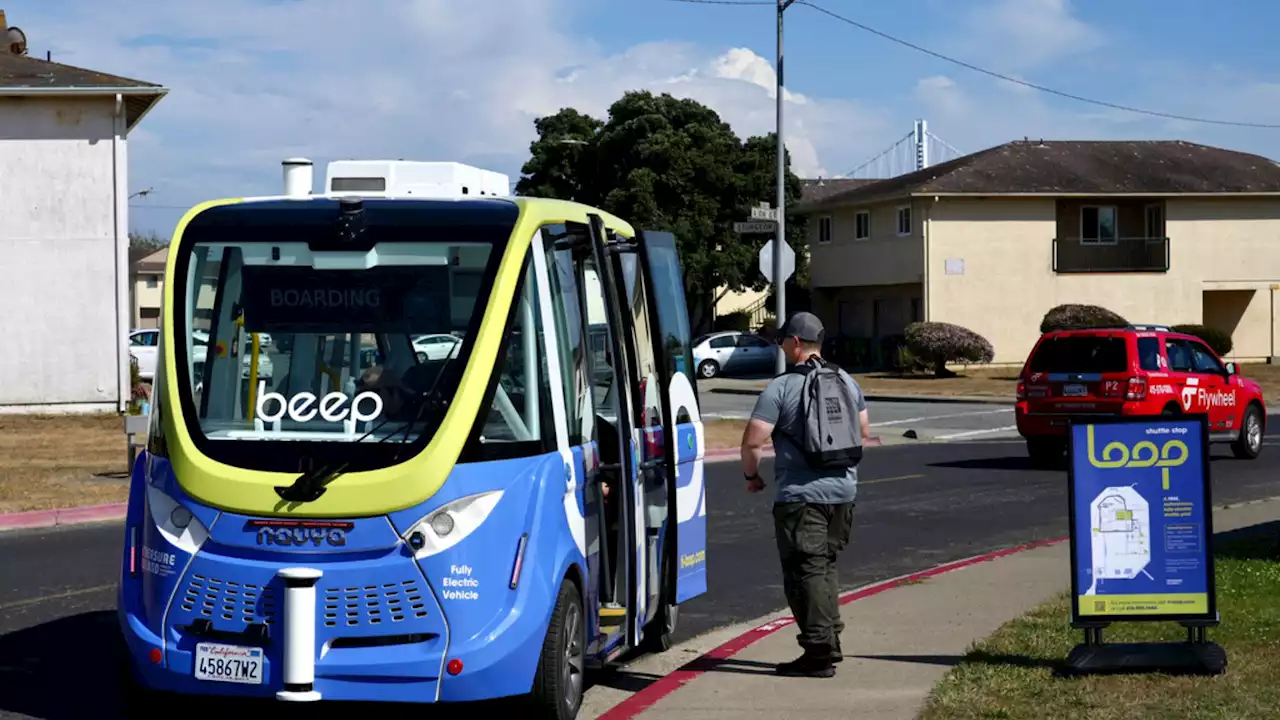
(229, 600)
(388, 602)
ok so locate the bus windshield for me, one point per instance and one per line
(350, 346)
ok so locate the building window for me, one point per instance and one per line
(862, 225)
(153, 282)
(904, 220)
(1154, 215)
(1098, 224)
(824, 229)
(917, 307)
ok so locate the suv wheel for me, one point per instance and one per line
(1249, 445)
(1046, 453)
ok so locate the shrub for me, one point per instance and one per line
(738, 320)
(897, 357)
(1070, 315)
(938, 343)
(1218, 340)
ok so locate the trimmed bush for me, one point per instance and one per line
(895, 356)
(1071, 315)
(938, 343)
(1213, 337)
(738, 320)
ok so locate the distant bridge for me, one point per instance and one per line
(916, 150)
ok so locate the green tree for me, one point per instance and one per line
(670, 164)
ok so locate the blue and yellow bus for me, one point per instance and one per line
(356, 514)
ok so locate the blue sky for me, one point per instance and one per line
(254, 81)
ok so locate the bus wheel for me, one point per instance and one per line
(657, 635)
(558, 683)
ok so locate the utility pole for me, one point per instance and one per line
(779, 284)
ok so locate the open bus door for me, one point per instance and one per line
(687, 551)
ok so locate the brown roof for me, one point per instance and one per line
(1070, 167)
(25, 75)
(819, 189)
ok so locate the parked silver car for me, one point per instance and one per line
(732, 353)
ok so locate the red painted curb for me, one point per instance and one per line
(62, 516)
(667, 684)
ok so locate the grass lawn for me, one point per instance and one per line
(49, 461)
(1010, 675)
(980, 381)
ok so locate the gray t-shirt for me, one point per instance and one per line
(779, 405)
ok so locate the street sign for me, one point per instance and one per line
(766, 261)
(755, 227)
(764, 213)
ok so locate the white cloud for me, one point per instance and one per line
(422, 79)
(1023, 34)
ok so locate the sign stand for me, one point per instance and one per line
(1140, 506)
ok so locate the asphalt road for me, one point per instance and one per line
(945, 422)
(919, 506)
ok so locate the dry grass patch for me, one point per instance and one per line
(723, 434)
(50, 461)
(974, 381)
(1011, 674)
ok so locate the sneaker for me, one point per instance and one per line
(807, 666)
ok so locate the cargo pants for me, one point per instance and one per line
(810, 536)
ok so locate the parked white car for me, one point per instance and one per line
(731, 352)
(436, 347)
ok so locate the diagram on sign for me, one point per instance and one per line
(1121, 537)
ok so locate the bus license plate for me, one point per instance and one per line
(229, 663)
(1074, 391)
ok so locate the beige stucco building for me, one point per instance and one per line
(64, 170)
(1160, 232)
(148, 289)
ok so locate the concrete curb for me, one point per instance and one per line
(63, 516)
(878, 397)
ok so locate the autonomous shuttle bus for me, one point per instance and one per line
(372, 521)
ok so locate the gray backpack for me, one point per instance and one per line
(832, 432)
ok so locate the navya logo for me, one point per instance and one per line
(1118, 455)
(301, 533)
(332, 407)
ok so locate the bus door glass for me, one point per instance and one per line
(652, 469)
(590, 404)
(682, 421)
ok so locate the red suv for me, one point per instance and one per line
(1133, 370)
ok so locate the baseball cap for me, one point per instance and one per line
(805, 326)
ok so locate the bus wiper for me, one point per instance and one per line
(310, 485)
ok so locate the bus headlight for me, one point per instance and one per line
(175, 522)
(449, 525)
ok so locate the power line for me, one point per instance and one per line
(990, 73)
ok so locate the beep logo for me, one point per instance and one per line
(1143, 454)
(364, 407)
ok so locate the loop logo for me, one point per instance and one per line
(1118, 455)
(332, 408)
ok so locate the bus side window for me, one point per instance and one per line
(566, 303)
(519, 421)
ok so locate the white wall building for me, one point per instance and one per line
(64, 234)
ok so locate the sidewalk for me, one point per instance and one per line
(900, 639)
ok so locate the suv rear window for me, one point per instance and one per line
(1081, 354)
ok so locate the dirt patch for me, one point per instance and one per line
(50, 461)
(977, 382)
(723, 434)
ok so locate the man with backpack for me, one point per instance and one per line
(816, 415)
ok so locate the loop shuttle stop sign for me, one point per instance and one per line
(1141, 520)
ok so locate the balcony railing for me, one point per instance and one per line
(1122, 255)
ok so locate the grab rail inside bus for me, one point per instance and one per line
(254, 351)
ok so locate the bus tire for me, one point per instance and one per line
(657, 634)
(558, 683)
